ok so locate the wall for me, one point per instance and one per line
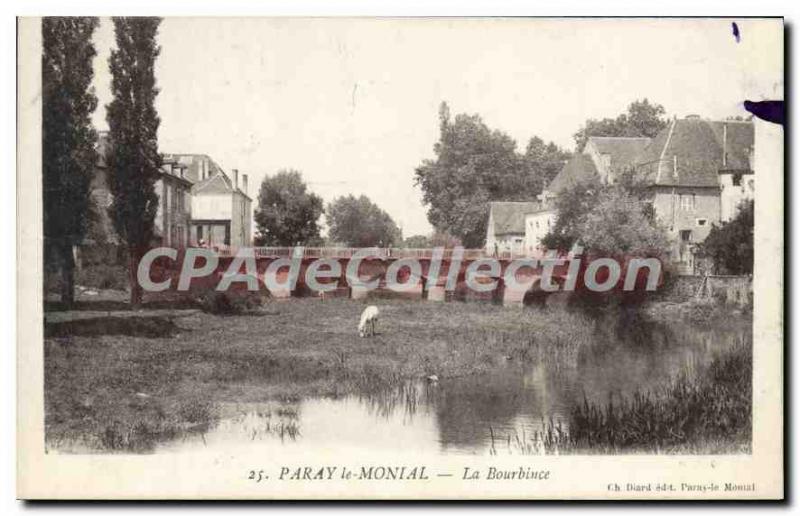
(240, 220)
(675, 217)
(732, 290)
(537, 225)
(732, 195)
(208, 206)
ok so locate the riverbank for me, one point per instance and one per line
(116, 383)
(706, 411)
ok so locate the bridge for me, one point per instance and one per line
(435, 269)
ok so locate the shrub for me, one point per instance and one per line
(231, 302)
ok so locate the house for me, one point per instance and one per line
(174, 214)
(537, 224)
(197, 202)
(692, 169)
(221, 211)
(505, 232)
(603, 159)
(221, 208)
(171, 224)
(612, 156)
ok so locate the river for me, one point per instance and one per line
(487, 414)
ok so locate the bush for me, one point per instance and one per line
(101, 276)
(232, 302)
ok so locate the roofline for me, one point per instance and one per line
(664, 150)
(666, 185)
(620, 138)
(178, 178)
(208, 181)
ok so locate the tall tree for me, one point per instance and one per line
(358, 222)
(475, 165)
(134, 161)
(287, 213)
(544, 161)
(68, 139)
(641, 119)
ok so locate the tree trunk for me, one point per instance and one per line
(67, 274)
(133, 266)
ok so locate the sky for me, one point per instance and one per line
(352, 103)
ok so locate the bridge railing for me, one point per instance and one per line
(380, 252)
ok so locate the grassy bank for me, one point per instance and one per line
(708, 412)
(125, 385)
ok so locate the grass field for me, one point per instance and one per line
(125, 383)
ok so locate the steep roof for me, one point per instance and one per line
(621, 150)
(509, 217)
(690, 152)
(194, 162)
(580, 168)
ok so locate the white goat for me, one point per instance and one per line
(369, 318)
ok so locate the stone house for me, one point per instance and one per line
(689, 168)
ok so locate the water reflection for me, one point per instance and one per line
(496, 412)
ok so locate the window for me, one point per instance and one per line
(687, 202)
(702, 222)
(737, 179)
(686, 235)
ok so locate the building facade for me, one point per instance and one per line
(697, 172)
(174, 213)
(221, 212)
(505, 232)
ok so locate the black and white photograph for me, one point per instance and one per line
(403, 257)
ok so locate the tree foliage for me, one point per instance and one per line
(287, 213)
(358, 222)
(475, 165)
(571, 207)
(618, 224)
(730, 245)
(68, 139)
(543, 161)
(641, 119)
(134, 161)
(605, 220)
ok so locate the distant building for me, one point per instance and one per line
(506, 228)
(603, 160)
(174, 213)
(697, 172)
(612, 156)
(221, 211)
(198, 203)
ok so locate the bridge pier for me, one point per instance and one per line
(358, 292)
(514, 296)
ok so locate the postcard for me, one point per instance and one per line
(400, 258)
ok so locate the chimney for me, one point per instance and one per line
(724, 144)
(244, 183)
(235, 178)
